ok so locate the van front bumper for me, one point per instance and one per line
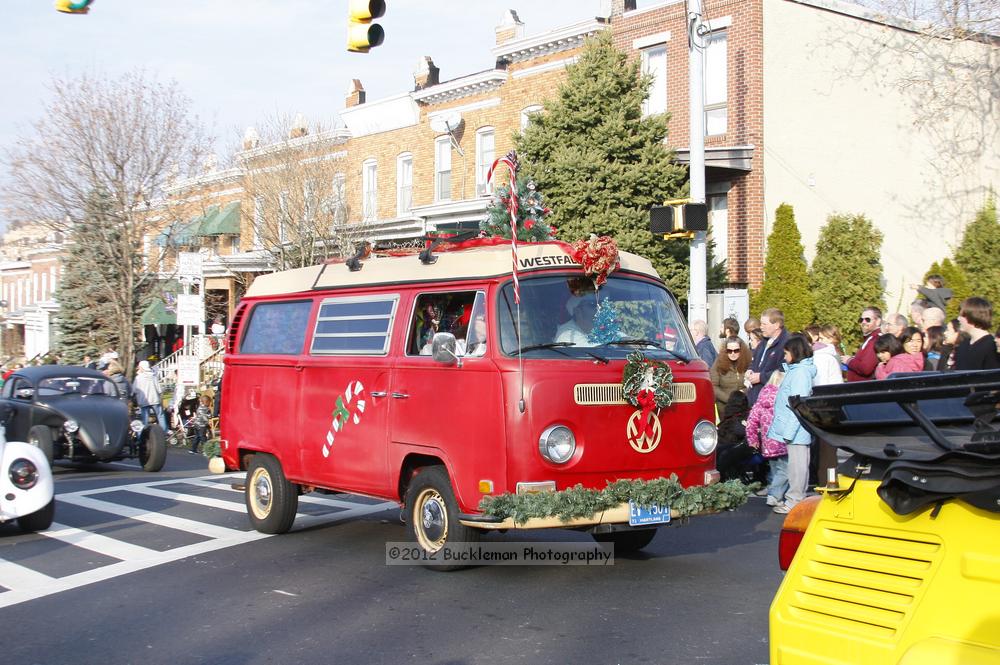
(616, 515)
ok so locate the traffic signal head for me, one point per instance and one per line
(362, 34)
(73, 6)
(678, 218)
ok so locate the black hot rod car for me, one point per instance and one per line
(76, 414)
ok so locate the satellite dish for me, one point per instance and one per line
(446, 122)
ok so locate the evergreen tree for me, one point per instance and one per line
(602, 165)
(954, 279)
(979, 253)
(786, 277)
(846, 274)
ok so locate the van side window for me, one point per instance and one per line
(355, 325)
(277, 328)
(443, 312)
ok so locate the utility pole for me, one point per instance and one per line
(698, 271)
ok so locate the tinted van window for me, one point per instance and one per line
(277, 328)
(354, 325)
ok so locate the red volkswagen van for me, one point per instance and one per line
(405, 378)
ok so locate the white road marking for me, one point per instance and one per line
(25, 584)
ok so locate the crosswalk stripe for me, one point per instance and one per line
(190, 498)
(160, 519)
(16, 577)
(305, 521)
(95, 542)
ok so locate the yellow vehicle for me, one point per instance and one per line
(898, 560)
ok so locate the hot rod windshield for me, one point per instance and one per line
(560, 317)
(69, 385)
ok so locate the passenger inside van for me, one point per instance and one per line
(581, 311)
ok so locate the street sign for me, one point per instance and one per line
(189, 265)
(187, 370)
(190, 310)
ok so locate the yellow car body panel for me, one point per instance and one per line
(870, 587)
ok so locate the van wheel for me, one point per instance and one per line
(40, 520)
(270, 498)
(40, 436)
(432, 514)
(627, 542)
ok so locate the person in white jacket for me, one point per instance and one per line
(148, 396)
(826, 359)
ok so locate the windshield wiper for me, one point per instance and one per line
(599, 358)
(555, 346)
(647, 342)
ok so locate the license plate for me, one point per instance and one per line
(640, 515)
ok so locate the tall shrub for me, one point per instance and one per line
(979, 253)
(846, 274)
(786, 277)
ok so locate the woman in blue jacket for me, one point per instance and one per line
(799, 376)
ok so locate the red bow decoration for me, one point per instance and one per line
(647, 402)
(598, 256)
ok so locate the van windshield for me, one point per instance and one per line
(560, 316)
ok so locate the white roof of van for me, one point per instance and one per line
(473, 263)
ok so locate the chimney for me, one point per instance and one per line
(299, 127)
(510, 28)
(619, 7)
(355, 94)
(251, 139)
(426, 74)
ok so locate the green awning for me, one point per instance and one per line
(185, 233)
(223, 222)
(156, 314)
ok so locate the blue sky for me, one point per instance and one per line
(245, 60)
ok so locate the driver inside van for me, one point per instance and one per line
(576, 330)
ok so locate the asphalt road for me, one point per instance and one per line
(115, 587)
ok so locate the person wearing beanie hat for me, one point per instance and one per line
(148, 396)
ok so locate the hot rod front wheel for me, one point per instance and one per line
(40, 520)
(152, 448)
(40, 436)
(271, 500)
(433, 515)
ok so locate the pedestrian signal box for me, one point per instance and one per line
(678, 217)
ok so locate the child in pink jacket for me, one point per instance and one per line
(758, 422)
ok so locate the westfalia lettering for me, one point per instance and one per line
(543, 261)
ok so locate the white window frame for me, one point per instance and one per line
(369, 190)
(338, 200)
(717, 198)
(258, 221)
(527, 112)
(654, 62)
(716, 88)
(442, 175)
(404, 184)
(484, 159)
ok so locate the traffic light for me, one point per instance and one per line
(362, 34)
(71, 7)
(678, 217)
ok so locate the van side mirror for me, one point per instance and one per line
(443, 348)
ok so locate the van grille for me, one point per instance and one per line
(594, 394)
(864, 582)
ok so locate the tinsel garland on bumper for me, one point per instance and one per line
(580, 502)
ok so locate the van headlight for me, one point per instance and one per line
(557, 444)
(704, 437)
(136, 426)
(71, 426)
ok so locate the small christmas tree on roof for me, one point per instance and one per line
(531, 214)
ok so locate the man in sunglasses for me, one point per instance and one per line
(861, 366)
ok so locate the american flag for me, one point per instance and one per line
(510, 161)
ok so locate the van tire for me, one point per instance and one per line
(432, 514)
(271, 500)
(627, 542)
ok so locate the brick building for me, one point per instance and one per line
(29, 275)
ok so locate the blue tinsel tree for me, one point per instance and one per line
(606, 327)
